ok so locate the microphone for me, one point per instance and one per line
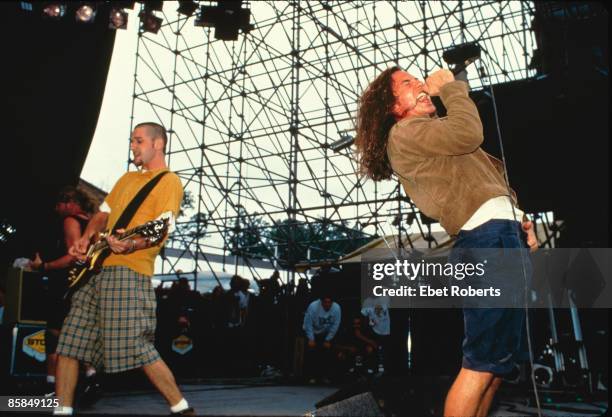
(460, 56)
(459, 68)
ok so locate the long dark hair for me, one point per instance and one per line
(82, 198)
(374, 121)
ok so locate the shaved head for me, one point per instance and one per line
(155, 131)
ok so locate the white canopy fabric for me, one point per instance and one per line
(384, 246)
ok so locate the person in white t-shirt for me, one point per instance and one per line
(321, 323)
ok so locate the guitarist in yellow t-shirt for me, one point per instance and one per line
(111, 322)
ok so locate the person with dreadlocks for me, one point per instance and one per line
(451, 179)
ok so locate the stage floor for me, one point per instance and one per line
(515, 408)
(254, 398)
(214, 399)
(277, 397)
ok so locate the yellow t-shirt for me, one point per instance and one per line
(165, 196)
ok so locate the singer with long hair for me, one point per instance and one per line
(451, 179)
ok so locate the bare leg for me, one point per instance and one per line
(51, 364)
(466, 394)
(52, 357)
(487, 399)
(161, 377)
(67, 375)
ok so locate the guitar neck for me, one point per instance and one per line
(102, 244)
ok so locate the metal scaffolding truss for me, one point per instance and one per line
(251, 121)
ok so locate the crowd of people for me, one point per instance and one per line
(240, 332)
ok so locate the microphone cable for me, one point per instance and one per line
(481, 76)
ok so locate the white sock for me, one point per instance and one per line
(62, 411)
(180, 406)
(50, 379)
(90, 371)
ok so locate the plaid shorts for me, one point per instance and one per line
(111, 322)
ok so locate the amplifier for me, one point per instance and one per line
(28, 351)
(25, 296)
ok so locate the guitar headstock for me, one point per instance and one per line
(155, 230)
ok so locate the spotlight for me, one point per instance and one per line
(153, 5)
(227, 17)
(86, 12)
(149, 22)
(55, 10)
(118, 19)
(187, 7)
(122, 4)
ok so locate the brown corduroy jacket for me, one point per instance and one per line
(440, 163)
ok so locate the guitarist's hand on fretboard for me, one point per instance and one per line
(91, 255)
(119, 246)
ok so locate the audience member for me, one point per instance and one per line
(321, 323)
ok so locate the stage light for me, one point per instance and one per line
(202, 20)
(227, 17)
(54, 10)
(86, 12)
(118, 19)
(187, 7)
(122, 4)
(149, 22)
(153, 5)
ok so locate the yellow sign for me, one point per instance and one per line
(34, 345)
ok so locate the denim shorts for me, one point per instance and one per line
(495, 339)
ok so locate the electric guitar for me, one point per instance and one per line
(155, 230)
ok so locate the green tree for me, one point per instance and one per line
(317, 241)
(192, 228)
(248, 236)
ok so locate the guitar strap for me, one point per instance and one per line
(121, 223)
(131, 208)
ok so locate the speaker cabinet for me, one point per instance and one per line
(28, 351)
(25, 297)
